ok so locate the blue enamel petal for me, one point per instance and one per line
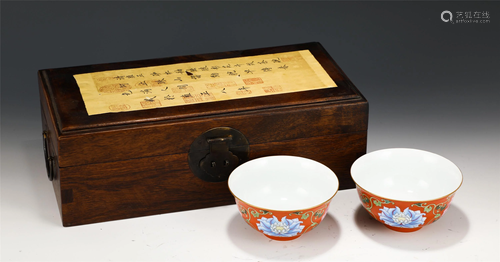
(408, 212)
(386, 212)
(391, 223)
(416, 215)
(266, 222)
(295, 225)
(294, 221)
(285, 221)
(297, 229)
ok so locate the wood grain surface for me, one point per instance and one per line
(124, 165)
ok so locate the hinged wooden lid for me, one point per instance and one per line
(71, 116)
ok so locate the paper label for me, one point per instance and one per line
(201, 82)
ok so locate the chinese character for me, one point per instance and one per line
(139, 75)
(155, 74)
(152, 99)
(162, 81)
(126, 94)
(130, 76)
(228, 66)
(215, 67)
(477, 14)
(184, 86)
(169, 97)
(205, 93)
(248, 71)
(205, 68)
(119, 77)
(214, 75)
(276, 60)
(192, 69)
(251, 63)
(195, 76)
(123, 85)
(283, 67)
(243, 88)
(143, 83)
(178, 79)
(166, 88)
(146, 91)
(187, 95)
(179, 71)
(168, 72)
(267, 69)
(486, 14)
(460, 15)
(232, 73)
(237, 65)
(263, 62)
(468, 14)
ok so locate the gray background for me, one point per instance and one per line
(431, 85)
(422, 76)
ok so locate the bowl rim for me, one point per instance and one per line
(286, 210)
(410, 201)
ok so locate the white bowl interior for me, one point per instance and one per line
(283, 183)
(406, 174)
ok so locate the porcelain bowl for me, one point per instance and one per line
(405, 189)
(283, 197)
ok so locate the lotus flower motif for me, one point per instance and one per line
(407, 219)
(284, 228)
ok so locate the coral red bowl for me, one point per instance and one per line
(405, 189)
(283, 197)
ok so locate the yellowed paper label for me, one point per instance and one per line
(201, 82)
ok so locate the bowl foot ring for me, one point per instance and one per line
(282, 238)
(402, 229)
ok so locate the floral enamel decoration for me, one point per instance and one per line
(308, 219)
(290, 226)
(404, 216)
(406, 219)
(284, 228)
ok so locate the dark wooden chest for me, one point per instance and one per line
(157, 159)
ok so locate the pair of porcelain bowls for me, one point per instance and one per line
(284, 197)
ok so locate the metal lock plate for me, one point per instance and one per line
(217, 152)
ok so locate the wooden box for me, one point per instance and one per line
(128, 162)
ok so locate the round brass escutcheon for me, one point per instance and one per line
(217, 152)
